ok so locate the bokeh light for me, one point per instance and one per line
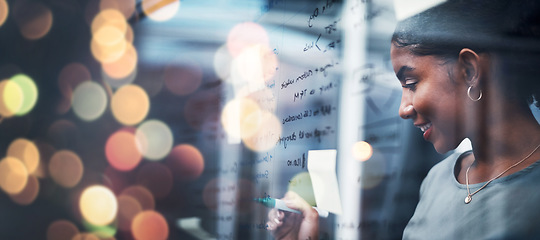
(62, 230)
(108, 44)
(183, 80)
(374, 170)
(186, 162)
(301, 184)
(66, 168)
(157, 178)
(4, 11)
(222, 62)
(98, 205)
(266, 135)
(211, 191)
(128, 208)
(124, 66)
(121, 150)
(33, 18)
(102, 232)
(109, 18)
(11, 98)
(150, 225)
(13, 175)
(126, 7)
(29, 93)
(27, 152)
(63, 133)
(86, 236)
(362, 151)
(142, 195)
(160, 10)
(241, 117)
(155, 139)
(89, 100)
(256, 64)
(245, 35)
(70, 76)
(130, 104)
(28, 194)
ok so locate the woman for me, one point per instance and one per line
(469, 69)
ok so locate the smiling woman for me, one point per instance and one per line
(465, 75)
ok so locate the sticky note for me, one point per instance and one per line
(322, 170)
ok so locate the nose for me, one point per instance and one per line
(406, 109)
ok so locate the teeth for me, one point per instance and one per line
(425, 127)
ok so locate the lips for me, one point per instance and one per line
(426, 129)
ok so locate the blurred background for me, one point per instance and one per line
(163, 119)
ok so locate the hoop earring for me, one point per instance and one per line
(473, 99)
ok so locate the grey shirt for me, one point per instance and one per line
(508, 208)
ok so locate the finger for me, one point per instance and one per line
(294, 201)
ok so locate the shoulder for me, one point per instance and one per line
(443, 171)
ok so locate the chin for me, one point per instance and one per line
(442, 148)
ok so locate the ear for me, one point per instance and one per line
(469, 63)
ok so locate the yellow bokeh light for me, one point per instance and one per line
(109, 17)
(66, 168)
(241, 117)
(362, 151)
(130, 104)
(98, 205)
(110, 52)
(160, 10)
(123, 66)
(33, 19)
(11, 98)
(27, 152)
(13, 175)
(29, 93)
(267, 135)
(255, 64)
(4, 11)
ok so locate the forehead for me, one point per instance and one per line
(403, 57)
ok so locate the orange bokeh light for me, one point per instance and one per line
(130, 104)
(62, 230)
(13, 175)
(121, 150)
(66, 168)
(150, 225)
(186, 162)
(28, 194)
(142, 195)
(33, 18)
(27, 152)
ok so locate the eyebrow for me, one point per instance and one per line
(402, 71)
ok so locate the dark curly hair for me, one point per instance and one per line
(509, 29)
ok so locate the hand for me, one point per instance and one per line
(288, 225)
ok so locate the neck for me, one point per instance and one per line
(505, 138)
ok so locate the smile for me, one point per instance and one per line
(424, 127)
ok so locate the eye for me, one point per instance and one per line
(410, 84)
